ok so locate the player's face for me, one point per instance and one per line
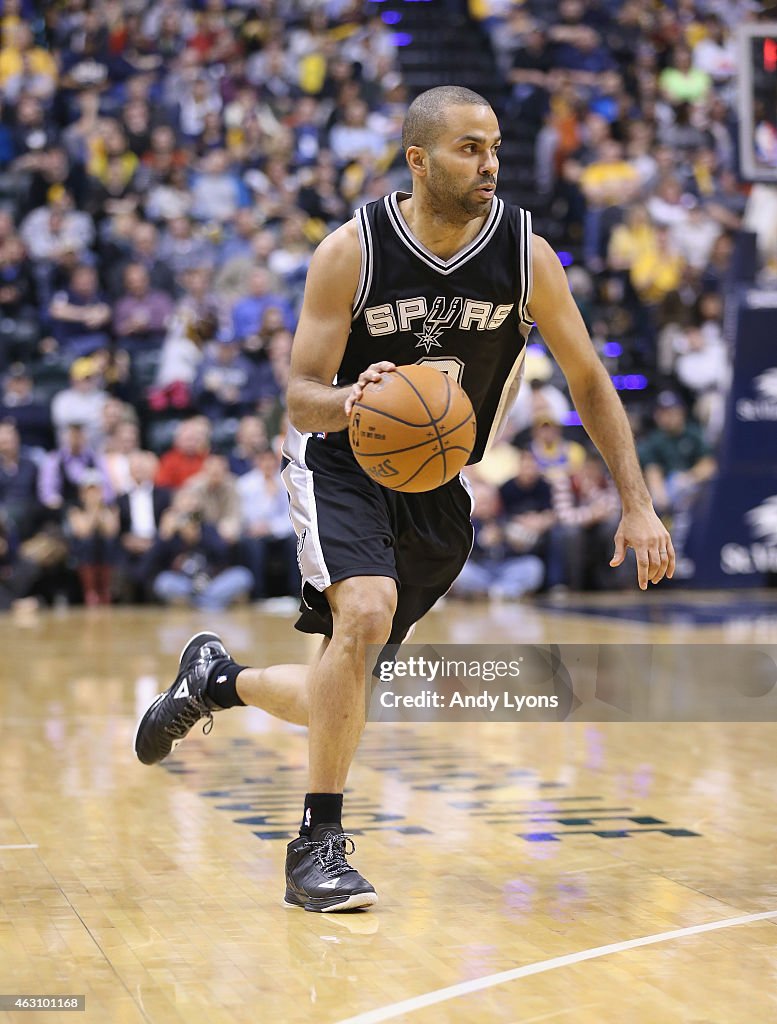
(463, 165)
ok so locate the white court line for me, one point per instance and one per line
(441, 995)
(20, 846)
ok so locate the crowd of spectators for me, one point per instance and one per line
(631, 113)
(166, 171)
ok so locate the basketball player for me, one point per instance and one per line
(448, 276)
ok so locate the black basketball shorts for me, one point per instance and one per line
(348, 525)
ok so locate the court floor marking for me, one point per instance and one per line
(19, 846)
(464, 988)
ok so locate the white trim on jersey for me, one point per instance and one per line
(365, 273)
(298, 480)
(406, 236)
(509, 391)
(526, 268)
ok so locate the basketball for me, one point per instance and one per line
(414, 430)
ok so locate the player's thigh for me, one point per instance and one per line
(340, 517)
(434, 536)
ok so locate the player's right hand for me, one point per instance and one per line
(369, 376)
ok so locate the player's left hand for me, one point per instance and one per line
(642, 530)
(371, 375)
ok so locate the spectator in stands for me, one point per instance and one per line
(695, 238)
(554, 453)
(228, 383)
(320, 198)
(18, 484)
(680, 82)
(120, 444)
(140, 513)
(191, 446)
(250, 439)
(80, 316)
(200, 99)
(658, 270)
(169, 198)
(92, 527)
(290, 258)
(248, 313)
(189, 564)
(18, 573)
(354, 138)
(141, 315)
(213, 494)
(494, 569)
(55, 234)
(20, 406)
(217, 190)
(716, 53)
(185, 251)
(608, 183)
(536, 396)
(529, 76)
(717, 273)
(677, 462)
(267, 531)
(631, 238)
(25, 67)
(63, 470)
(587, 510)
(17, 283)
(703, 367)
(82, 402)
(144, 251)
(32, 134)
(238, 241)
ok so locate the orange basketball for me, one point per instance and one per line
(414, 430)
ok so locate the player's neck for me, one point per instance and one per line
(436, 230)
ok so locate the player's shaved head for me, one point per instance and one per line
(425, 117)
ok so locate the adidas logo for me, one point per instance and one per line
(183, 689)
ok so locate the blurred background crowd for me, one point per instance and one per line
(166, 171)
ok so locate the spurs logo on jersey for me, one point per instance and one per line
(467, 314)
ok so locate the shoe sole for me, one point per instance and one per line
(330, 904)
(147, 712)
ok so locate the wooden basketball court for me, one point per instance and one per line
(586, 872)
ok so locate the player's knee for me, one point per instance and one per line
(366, 616)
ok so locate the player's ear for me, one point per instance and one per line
(417, 159)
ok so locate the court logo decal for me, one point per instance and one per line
(261, 788)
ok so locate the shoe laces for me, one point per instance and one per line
(189, 714)
(332, 851)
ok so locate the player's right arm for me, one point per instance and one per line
(314, 404)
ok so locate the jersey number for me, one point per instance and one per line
(445, 364)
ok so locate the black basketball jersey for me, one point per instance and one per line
(465, 316)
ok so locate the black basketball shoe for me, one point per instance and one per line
(319, 878)
(175, 711)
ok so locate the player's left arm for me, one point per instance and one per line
(601, 413)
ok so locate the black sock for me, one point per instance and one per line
(222, 686)
(320, 809)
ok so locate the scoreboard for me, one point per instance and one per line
(758, 101)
